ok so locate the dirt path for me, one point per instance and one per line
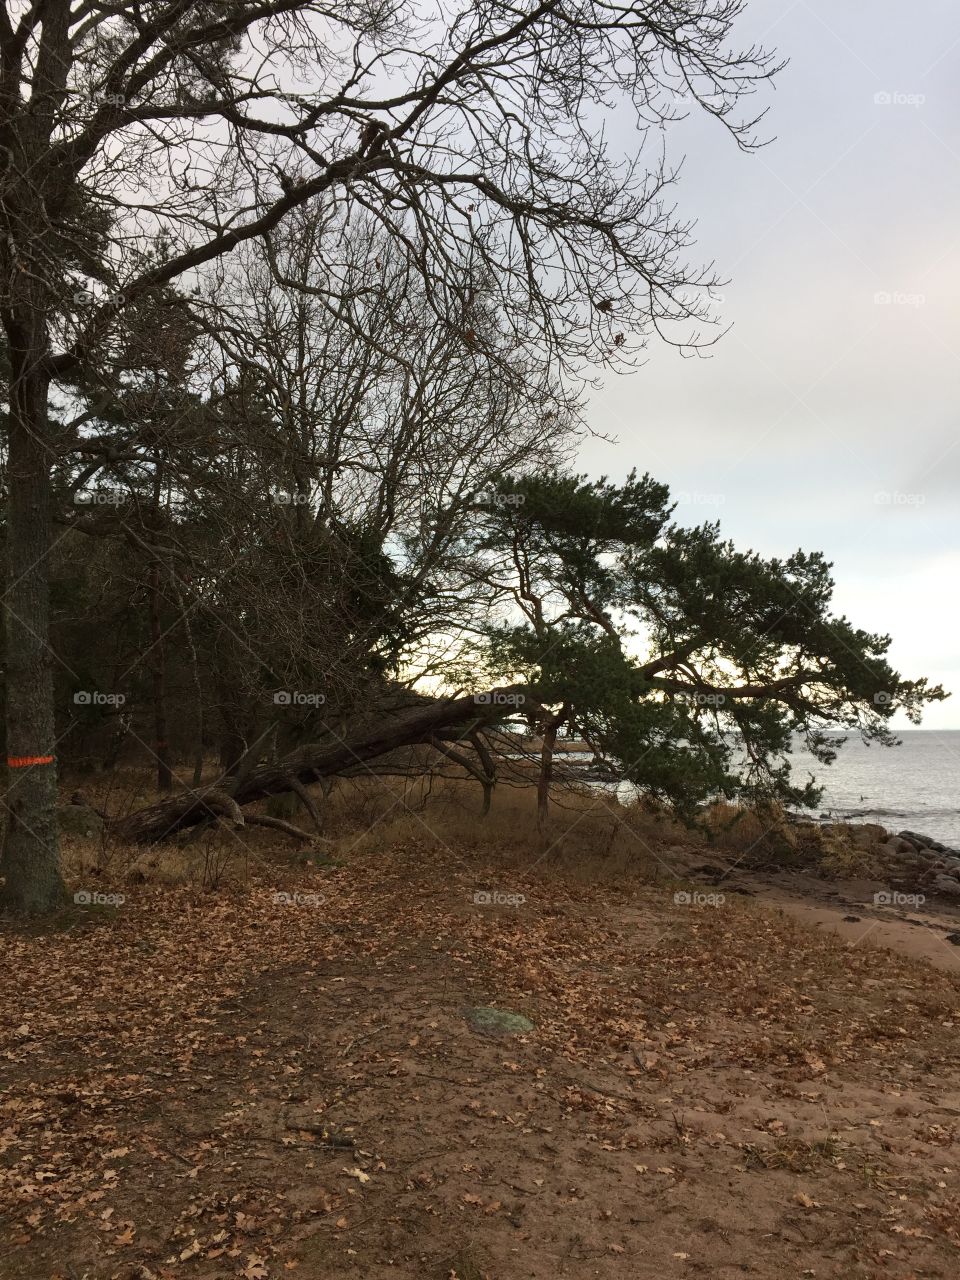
(228, 1086)
(921, 934)
(924, 929)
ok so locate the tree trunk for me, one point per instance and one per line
(546, 773)
(375, 737)
(158, 675)
(200, 726)
(30, 861)
(551, 723)
(116, 746)
(232, 746)
(232, 741)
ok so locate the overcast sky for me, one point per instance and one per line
(828, 417)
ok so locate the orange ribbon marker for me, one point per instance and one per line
(23, 762)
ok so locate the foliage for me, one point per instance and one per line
(691, 664)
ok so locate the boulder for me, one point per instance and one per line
(876, 833)
(79, 820)
(501, 1022)
(946, 885)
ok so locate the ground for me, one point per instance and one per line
(202, 1084)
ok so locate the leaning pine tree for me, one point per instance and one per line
(689, 665)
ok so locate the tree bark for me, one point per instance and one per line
(551, 723)
(375, 737)
(546, 773)
(158, 677)
(30, 861)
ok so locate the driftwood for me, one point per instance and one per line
(423, 723)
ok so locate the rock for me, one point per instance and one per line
(953, 938)
(946, 885)
(879, 833)
(927, 842)
(79, 820)
(501, 1022)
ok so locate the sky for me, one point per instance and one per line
(828, 417)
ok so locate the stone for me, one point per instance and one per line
(79, 820)
(946, 885)
(879, 833)
(502, 1022)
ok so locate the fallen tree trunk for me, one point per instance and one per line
(371, 739)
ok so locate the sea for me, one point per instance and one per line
(912, 787)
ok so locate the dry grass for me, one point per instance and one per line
(590, 834)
